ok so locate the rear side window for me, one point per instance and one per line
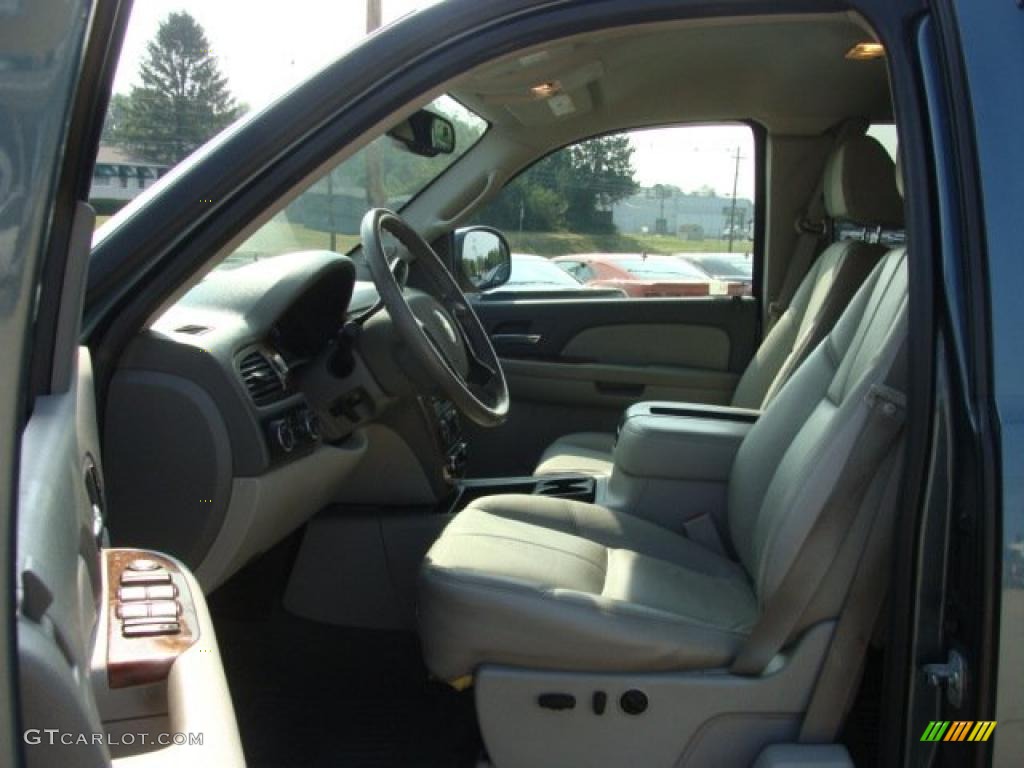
(659, 212)
(885, 133)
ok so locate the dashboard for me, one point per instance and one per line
(253, 403)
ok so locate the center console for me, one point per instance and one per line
(672, 463)
(567, 486)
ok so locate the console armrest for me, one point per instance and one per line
(680, 442)
(694, 410)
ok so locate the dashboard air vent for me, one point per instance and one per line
(261, 379)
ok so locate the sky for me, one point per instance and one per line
(267, 46)
(694, 156)
(263, 46)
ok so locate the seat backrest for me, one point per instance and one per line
(859, 186)
(794, 455)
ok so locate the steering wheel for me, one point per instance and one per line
(440, 327)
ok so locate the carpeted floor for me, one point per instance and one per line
(309, 694)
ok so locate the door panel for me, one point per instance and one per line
(575, 365)
(684, 346)
(604, 385)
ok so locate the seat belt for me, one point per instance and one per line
(853, 270)
(841, 671)
(811, 227)
(886, 414)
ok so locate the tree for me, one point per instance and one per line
(183, 99)
(600, 174)
(573, 189)
(113, 123)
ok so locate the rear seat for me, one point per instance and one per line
(859, 188)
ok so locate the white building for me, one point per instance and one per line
(119, 176)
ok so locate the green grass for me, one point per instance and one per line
(564, 243)
(314, 240)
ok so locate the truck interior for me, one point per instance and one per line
(355, 512)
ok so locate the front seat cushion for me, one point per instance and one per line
(587, 453)
(548, 583)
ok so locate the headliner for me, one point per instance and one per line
(788, 73)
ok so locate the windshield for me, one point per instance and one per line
(190, 68)
(659, 268)
(327, 214)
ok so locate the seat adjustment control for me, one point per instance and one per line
(557, 701)
(599, 702)
(633, 702)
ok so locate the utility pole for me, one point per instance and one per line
(374, 185)
(732, 212)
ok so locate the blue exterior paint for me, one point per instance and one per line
(992, 40)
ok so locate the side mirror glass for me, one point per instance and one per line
(426, 134)
(482, 257)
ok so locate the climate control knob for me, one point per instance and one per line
(310, 424)
(283, 434)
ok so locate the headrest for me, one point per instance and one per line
(860, 184)
(899, 172)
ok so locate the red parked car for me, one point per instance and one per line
(639, 275)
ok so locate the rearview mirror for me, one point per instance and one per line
(425, 133)
(482, 257)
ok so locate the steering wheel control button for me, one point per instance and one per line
(149, 629)
(633, 702)
(128, 594)
(133, 611)
(143, 564)
(557, 701)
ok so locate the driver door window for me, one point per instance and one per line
(662, 212)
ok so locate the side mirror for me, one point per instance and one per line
(482, 257)
(426, 134)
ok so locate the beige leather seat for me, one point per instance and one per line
(860, 187)
(541, 583)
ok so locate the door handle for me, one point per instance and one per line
(531, 339)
